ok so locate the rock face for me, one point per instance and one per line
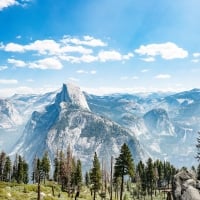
(69, 121)
(185, 186)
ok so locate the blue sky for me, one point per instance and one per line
(104, 46)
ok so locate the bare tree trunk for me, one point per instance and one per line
(122, 186)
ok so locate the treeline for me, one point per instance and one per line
(147, 177)
(16, 171)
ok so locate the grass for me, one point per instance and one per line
(14, 191)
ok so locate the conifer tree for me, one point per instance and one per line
(124, 166)
(198, 147)
(7, 169)
(56, 170)
(2, 164)
(45, 166)
(78, 176)
(20, 171)
(150, 177)
(87, 179)
(25, 172)
(198, 172)
(142, 174)
(95, 175)
(15, 169)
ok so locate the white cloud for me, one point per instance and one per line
(109, 55)
(88, 58)
(128, 56)
(17, 63)
(7, 3)
(8, 81)
(167, 51)
(93, 72)
(13, 47)
(144, 70)
(86, 72)
(3, 68)
(43, 47)
(149, 59)
(87, 41)
(196, 55)
(81, 71)
(46, 63)
(69, 49)
(163, 76)
(75, 49)
(18, 36)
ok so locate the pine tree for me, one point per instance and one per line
(45, 166)
(124, 166)
(20, 171)
(2, 164)
(78, 176)
(56, 170)
(7, 169)
(150, 177)
(142, 174)
(25, 172)
(95, 175)
(198, 172)
(15, 169)
(87, 179)
(198, 147)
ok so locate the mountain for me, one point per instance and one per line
(9, 116)
(166, 124)
(69, 121)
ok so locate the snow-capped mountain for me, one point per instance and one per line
(9, 116)
(165, 124)
(69, 121)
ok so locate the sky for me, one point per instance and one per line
(103, 46)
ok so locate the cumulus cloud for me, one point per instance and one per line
(109, 55)
(70, 49)
(3, 68)
(8, 81)
(167, 51)
(13, 47)
(196, 55)
(7, 3)
(17, 63)
(149, 59)
(46, 63)
(87, 41)
(163, 76)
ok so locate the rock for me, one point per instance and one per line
(185, 186)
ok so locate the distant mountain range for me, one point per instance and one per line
(164, 125)
(68, 120)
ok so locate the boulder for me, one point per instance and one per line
(185, 186)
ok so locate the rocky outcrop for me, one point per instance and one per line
(185, 186)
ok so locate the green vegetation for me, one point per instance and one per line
(149, 181)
